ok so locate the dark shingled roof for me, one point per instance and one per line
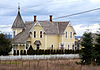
(62, 26)
(55, 28)
(18, 23)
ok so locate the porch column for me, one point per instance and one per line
(25, 48)
(19, 49)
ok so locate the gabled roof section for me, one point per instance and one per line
(62, 26)
(54, 27)
(18, 23)
(49, 28)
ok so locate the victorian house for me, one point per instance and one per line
(41, 34)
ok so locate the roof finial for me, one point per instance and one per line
(18, 7)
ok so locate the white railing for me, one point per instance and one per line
(30, 57)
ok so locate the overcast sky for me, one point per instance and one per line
(57, 8)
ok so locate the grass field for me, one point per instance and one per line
(51, 64)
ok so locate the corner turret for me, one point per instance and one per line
(18, 24)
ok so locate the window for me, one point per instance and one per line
(66, 34)
(62, 46)
(40, 34)
(70, 34)
(34, 34)
(68, 47)
(14, 33)
(51, 46)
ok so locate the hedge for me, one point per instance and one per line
(48, 52)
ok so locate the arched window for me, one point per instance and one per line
(40, 34)
(34, 34)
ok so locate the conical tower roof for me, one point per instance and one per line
(18, 23)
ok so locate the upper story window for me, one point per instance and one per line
(40, 34)
(70, 34)
(62, 46)
(51, 46)
(14, 33)
(66, 34)
(34, 34)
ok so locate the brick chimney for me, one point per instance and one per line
(35, 18)
(50, 18)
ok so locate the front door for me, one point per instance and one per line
(37, 43)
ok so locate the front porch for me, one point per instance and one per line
(19, 49)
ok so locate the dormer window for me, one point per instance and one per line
(40, 34)
(34, 34)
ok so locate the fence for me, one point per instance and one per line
(31, 57)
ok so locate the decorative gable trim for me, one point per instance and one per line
(72, 27)
(36, 23)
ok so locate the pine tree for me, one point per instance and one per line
(30, 51)
(5, 45)
(97, 48)
(86, 52)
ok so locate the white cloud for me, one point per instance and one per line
(81, 28)
(5, 26)
(95, 1)
(6, 29)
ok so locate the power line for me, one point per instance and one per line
(77, 13)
